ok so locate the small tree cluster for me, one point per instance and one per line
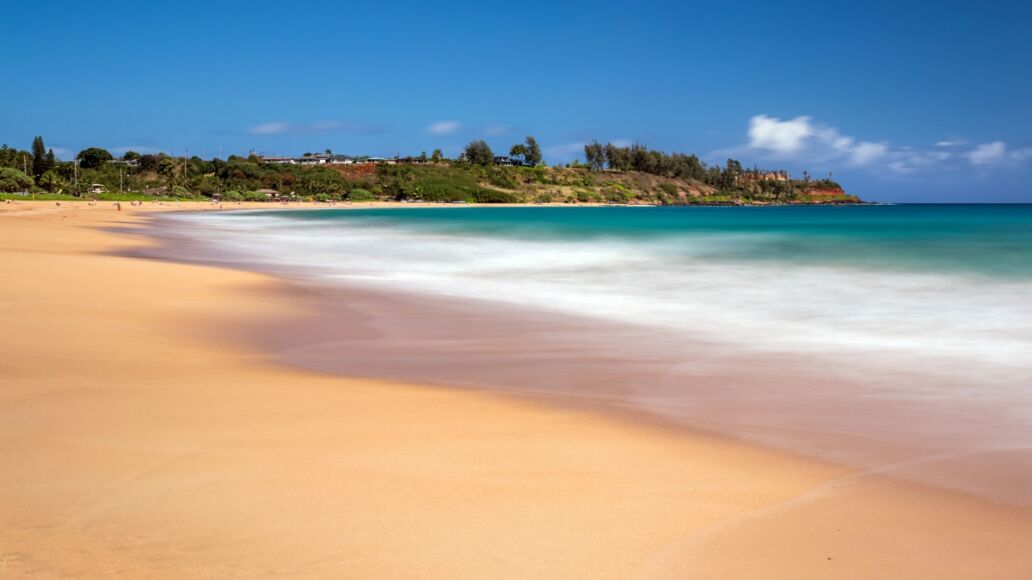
(478, 153)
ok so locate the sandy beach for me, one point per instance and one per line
(135, 444)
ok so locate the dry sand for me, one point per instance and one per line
(131, 447)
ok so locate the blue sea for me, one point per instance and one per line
(914, 321)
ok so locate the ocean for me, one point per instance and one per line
(901, 327)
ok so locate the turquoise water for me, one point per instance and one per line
(936, 285)
(992, 240)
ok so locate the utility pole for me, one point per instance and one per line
(25, 168)
(75, 169)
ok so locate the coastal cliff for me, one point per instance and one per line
(573, 185)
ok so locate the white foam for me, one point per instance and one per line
(947, 323)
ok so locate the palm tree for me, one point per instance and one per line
(169, 170)
(51, 181)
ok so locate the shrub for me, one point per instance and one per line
(616, 195)
(540, 174)
(499, 177)
(359, 194)
(485, 195)
(12, 180)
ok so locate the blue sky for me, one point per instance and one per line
(901, 101)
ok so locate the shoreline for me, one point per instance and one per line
(132, 446)
(824, 407)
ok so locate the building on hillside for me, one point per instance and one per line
(502, 160)
(328, 159)
(316, 159)
(125, 162)
(279, 160)
(762, 175)
(413, 160)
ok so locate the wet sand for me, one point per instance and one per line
(141, 437)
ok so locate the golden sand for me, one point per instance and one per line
(133, 447)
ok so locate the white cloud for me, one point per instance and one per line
(801, 140)
(443, 127)
(779, 136)
(997, 153)
(987, 153)
(865, 153)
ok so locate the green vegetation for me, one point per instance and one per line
(613, 174)
(42, 160)
(732, 182)
(92, 158)
(478, 153)
(12, 180)
(359, 194)
(440, 184)
(526, 153)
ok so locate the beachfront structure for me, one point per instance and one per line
(413, 160)
(327, 159)
(761, 175)
(317, 159)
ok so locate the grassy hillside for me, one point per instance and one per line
(580, 185)
(252, 179)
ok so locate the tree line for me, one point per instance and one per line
(479, 152)
(39, 170)
(730, 177)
